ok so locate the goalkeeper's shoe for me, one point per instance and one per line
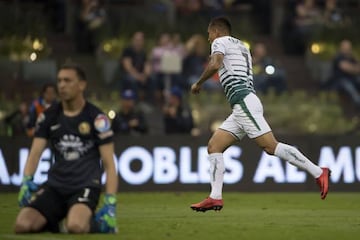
(323, 182)
(208, 204)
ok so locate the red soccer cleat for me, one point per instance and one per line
(208, 204)
(323, 182)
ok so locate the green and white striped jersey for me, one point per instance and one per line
(236, 75)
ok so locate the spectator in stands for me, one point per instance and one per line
(307, 16)
(195, 61)
(177, 117)
(136, 68)
(48, 96)
(91, 25)
(178, 49)
(307, 13)
(333, 16)
(166, 58)
(178, 45)
(17, 122)
(157, 53)
(186, 7)
(304, 22)
(267, 74)
(346, 72)
(129, 120)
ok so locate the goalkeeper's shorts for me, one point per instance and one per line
(54, 206)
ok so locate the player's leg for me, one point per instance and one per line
(29, 220)
(258, 129)
(218, 143)
(81, 205)
(296, 158)
(78, 218)
(225, 136)
(288, 153)
(44, 212)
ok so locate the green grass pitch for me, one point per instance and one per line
(162, 216)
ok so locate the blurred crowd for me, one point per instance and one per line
(129, 118)
(344, 77)
(156, 79)
(305, 18)
(161, 80)
(159, 77)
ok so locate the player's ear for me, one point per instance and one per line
(217, 32)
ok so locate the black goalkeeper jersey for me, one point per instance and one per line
(75, 143)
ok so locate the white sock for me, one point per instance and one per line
(296, 158)
(217, 170)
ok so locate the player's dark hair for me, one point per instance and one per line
(222, 23)
(79, 71)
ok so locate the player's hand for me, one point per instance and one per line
(106, 216)
(195, 88)
(26, 190)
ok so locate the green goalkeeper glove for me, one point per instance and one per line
(26, 190)
(106, 216)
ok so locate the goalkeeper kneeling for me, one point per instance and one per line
(79, 134)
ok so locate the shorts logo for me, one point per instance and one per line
(55, 127)
(102, 123)
(37, 194)
(84, 128)
(83, 199)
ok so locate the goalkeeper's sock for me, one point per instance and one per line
(217, 170)
(296, 158)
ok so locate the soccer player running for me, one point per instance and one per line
(79, 135)
(232, 60)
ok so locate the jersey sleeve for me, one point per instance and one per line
(42, 125)
(103, 131)
(32, 117)
(217, 47)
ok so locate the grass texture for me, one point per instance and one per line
(167, 216)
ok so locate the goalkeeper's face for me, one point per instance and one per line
(70, 86)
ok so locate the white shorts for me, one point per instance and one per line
(247, 118)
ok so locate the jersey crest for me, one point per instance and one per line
(84, 128)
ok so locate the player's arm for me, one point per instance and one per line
(27, 185)
(129, 67)
(106, 216)
(349, 67)
(37, 147)
(147, 69)
(216, 61)
(107, 157)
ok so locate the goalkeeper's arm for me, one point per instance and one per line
(37, 147)
(106, 216)
(107, 156)
(28, 186)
